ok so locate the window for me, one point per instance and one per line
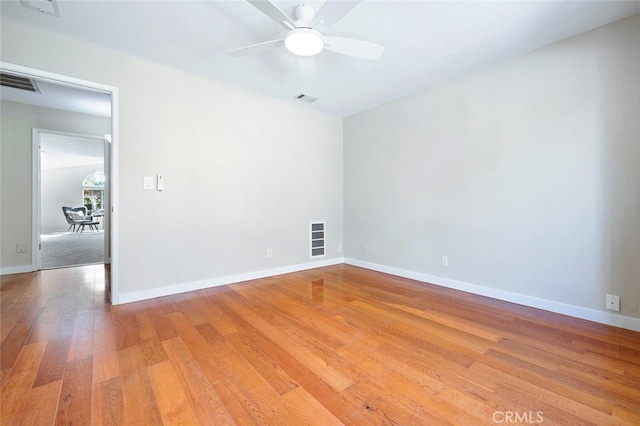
(93, 192)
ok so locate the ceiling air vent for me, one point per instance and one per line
(306, 98)
(317, 239)
(50, 7)
(17, 82)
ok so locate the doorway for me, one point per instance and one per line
(73, 196)
(111, 217)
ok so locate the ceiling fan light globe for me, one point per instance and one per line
(304, 42)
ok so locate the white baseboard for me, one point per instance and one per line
(602, 317)
(8, 270)
(135, 296)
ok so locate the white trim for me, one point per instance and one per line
(114, 188)
(602, 317)
(9, 270)
(54, 78)
(35, 199)
(96, 87)
(151, 293)
(106, 198)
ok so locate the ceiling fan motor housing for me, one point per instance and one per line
(304, 41)
(303, 14)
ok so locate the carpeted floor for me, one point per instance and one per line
(71, 249)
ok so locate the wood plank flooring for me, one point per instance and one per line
(335, 345)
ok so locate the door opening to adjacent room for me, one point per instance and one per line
(66, 93)
(72, 198)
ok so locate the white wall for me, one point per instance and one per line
(525, 174)
(16, 170)
(61, 187)
(239, 179)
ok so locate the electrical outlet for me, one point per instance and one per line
(339, 248)
(363, 247)
(445, 262)
(612, 303)
(21, 248)
(269, 253)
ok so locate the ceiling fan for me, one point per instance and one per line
(305, 37)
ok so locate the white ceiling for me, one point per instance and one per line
(57, 96)
(427, 42)
(58, 151)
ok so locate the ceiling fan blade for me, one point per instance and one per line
(307, 67)
(256, 48)
(331, 12)
(274, 12)
(356, 48)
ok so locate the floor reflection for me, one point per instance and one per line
(317, 291)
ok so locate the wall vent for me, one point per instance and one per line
(17, 82)
(306, 98)
(318, 236)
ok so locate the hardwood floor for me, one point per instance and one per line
(335, 345)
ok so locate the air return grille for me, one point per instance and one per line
(17, 82)
(306, 98)
(50, 7)
(318, 235)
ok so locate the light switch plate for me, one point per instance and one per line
(148, 183)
